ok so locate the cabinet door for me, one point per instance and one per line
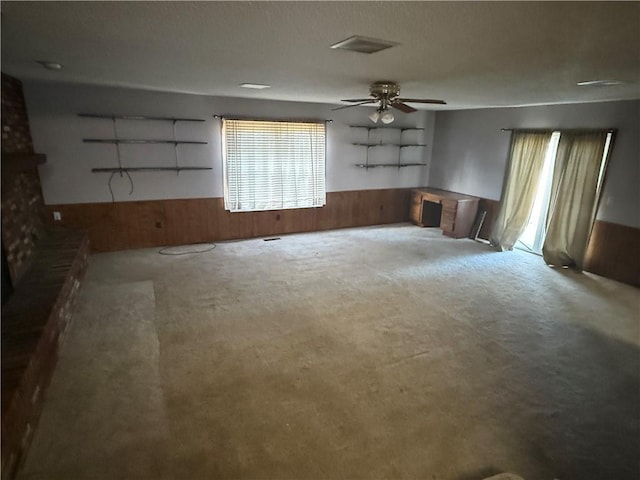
(416, 208)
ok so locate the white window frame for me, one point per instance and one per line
(273, 165)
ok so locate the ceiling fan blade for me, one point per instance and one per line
(403, 107)
(421, 100)
(355, 105)
(356, 100)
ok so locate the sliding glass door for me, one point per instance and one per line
(533, 236)
(554, 174)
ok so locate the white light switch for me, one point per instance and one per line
(57, 216)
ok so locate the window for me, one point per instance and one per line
(270, 165)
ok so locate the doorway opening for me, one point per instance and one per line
(533, 236)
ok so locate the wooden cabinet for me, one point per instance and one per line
(453, 212)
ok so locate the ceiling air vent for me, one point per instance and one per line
(364, 44)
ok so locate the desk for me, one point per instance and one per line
(453, 212)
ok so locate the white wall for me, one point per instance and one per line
(470, 152)
(66, 178)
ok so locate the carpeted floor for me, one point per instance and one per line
(381, 352)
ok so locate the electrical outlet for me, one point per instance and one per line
(57, 216)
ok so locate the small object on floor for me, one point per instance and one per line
(271, 239)
(505, 476)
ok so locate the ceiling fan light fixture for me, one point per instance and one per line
(387, 117)
(374, 117)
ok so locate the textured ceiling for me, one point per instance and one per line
(470, 54)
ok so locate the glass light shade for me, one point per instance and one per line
(374, 116)
(387, 117)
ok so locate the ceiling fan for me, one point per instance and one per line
(386, 94)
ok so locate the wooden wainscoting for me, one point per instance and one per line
(125, 225)
(614, 252)
(491, 207)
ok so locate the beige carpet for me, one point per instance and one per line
(381, 352)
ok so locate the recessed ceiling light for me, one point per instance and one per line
(49, 65)
(600, 83)
(254, 86)
(364, 44)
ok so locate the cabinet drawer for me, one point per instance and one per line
(448, 222)
(430, 197)
(449, 207)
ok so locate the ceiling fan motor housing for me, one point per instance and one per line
(384, 89)
(385, 92)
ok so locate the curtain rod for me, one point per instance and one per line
(542, 130)
(138, 117)
(285, 120)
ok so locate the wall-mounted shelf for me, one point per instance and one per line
(389, 165)
(399, 144)
(148, 169)
(139, 141)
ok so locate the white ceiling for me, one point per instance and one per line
(470, 54)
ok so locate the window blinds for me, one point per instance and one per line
(273, 165)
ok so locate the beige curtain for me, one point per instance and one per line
(574, 198)
(521, 183)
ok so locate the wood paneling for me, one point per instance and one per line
(125, 225)
(614, 252)
(491, 207)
